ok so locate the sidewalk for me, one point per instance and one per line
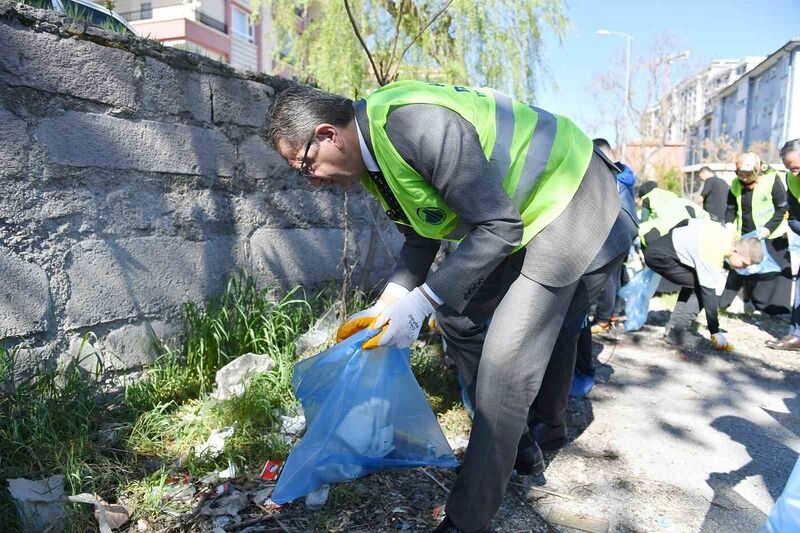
(674, 440)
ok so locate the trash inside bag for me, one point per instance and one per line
(364, 412)
(785, 514)
(637, 295)
(768, 265)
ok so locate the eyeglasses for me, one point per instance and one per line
(305, 168)
(746, 175)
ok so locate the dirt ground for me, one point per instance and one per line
(668, 440)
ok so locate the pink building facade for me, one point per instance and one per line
(225, 30)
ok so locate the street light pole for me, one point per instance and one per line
(626, 104)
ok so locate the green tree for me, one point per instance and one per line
(497, 43)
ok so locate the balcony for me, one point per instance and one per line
(174, 11)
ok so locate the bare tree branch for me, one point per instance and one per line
(419, 34)
(378, 76)
(396, 34)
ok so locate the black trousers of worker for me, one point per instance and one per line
(660, 256)
(607, 300)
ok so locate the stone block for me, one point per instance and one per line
(67, 66)
(14, 144)
(29, 361)
(252, 211)
(91, 140)
(25, 306)
(239, 101)
(133, 345)
(310, 208)
(262, 163)
(147, 276)
(175, 91)
(296, 256)
(200, 214)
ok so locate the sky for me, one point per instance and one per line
(710, 29)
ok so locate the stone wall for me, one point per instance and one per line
(135, 178)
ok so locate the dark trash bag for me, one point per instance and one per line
(364, 412)
(637, 295)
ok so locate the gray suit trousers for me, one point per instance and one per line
(527, 353)
(504, 363)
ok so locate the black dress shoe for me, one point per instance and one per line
(549, 437)
(530, 461)
(789, 343)
(447, 526)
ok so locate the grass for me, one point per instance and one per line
(54, 423)
(81, 13)
(243, 320)
(49, 426)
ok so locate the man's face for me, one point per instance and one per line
(330, 157)
(747, 177)
(792, 163)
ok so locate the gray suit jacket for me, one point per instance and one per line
(445, 150)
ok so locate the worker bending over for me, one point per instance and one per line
(693, 257)
(537, 214)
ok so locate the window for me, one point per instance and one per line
(146, 10)
(241, 25)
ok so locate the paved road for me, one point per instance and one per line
(682, 440)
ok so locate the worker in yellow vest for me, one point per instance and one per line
(663, 210)
(757, 203)
(790, 155)
(536, 211)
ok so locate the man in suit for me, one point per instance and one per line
(538, 217)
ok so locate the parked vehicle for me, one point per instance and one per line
(88, 11)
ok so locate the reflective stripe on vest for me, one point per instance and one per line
(762, 207)
(667, 210)
(538, 155)
(539, 158)
(500, 159)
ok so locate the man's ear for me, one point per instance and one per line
(329, 132)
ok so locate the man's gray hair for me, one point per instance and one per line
(790, 147)
(750, 248)
(298, 110)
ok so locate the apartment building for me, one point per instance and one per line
(685, 104)
(225, 30)
(763, 106)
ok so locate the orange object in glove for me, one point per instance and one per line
(363, 319)
(720, 342)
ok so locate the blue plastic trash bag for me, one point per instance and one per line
(637, 294)
(767, 266)
(365, 412)
(785, 515)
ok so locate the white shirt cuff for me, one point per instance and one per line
(432, 294)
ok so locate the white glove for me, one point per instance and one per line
(362, 319)
(403, 320)
(720, 342)
(763, 232)
(391, 293)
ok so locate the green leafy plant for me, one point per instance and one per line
(494, 42)
(244, 319)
